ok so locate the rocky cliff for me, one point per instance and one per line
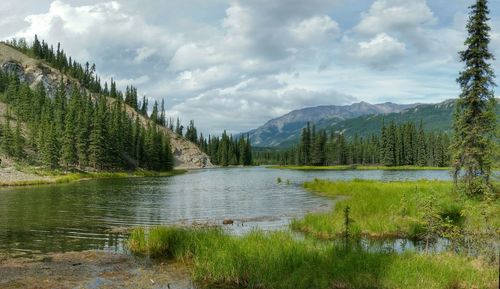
(32, 71)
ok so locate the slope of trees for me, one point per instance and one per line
(396, 145)
(72, 129)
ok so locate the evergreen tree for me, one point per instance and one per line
(162, 119)
(7, 138)
(154, 114)
(69, 151)
(475, 119)
(18, 141)
(421, 146)
(191, 132)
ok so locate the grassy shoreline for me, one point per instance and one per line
(278, 260)
(378, 209)
(356, 167)
(51, 177)
(393, 209)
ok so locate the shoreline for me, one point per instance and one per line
(357, 168)
(92, 269)
(11, 177)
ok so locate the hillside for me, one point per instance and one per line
(32, 71)
(435, 117)
(285, 130)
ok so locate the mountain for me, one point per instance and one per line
(359, 118)
(285, 130)
(34, 71)
(435, 117)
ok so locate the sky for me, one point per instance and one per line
(234, 64)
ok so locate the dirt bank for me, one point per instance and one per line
(90, 269)
(10, 176)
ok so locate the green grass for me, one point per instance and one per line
(277, 260)
(58, 177)
(389, 209)
(355, 167)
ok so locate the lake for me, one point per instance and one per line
(94, 214)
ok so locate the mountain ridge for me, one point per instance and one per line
(286, 128)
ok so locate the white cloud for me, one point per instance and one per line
(250, 103)
(103, 33)
(235, 63)
(315, 29)
(395, 15)
(381, 51)
(143, 53)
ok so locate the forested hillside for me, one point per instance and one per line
(58, 114)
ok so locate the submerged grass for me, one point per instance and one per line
(355, 167)
(388, 209)
(277, 260)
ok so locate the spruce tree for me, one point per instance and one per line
(421, 146)
(475, 119)
(18, 141)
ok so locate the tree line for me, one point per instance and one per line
(227, 150)
(224, 150)
(86, 76)
(396, 145)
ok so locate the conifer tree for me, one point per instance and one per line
(68, 150)
(154, 114)
(162, 120)
(475, 119)
(421, 148)
(18, 141)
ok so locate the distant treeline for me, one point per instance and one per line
(225, 150)
(396, 145)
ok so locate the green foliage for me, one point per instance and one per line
(82, 132)
(278, 260)
(376, 207)
(475, 119)
(397, 145)
(423, 210)
(228, 151)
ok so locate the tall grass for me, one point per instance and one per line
(277, 260)
(386, 209)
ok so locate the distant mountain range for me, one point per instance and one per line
(358, 118)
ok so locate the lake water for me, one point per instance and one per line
(93, 214)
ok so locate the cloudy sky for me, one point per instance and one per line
(234, 64)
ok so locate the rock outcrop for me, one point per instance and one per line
(32, 71)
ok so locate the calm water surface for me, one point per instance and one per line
(92, 214)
